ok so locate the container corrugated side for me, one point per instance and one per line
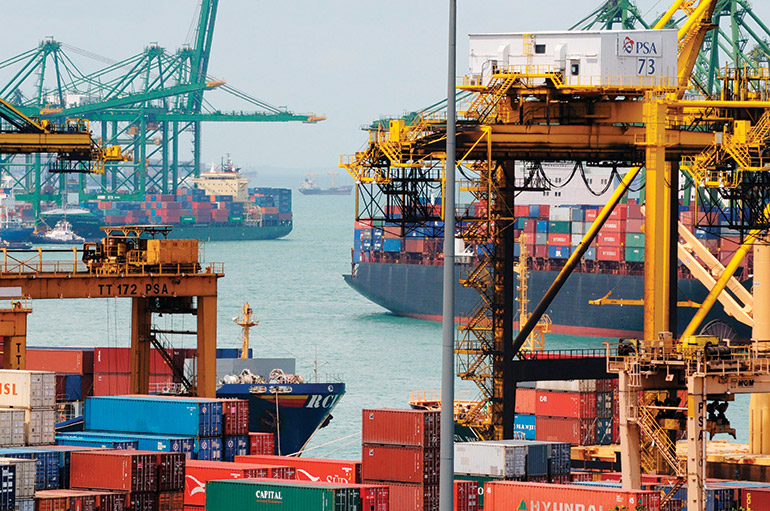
(198, 473)
(12, 427)
(570, 430)
(160, 443)
(27, 389)
(47, 465)
(261, 495)
(134, 471)
(7, 487)
(104, 443)
(40, 426)
(262, 443)
(25, 476)
(507, 495)
(567, 385)
(412, 497)
(402, 464)
(489, 459)
(154, 415)
(171, 471)
(58, 500)
(416, 428)
(466, 496)
(312, 469)
(580, 405)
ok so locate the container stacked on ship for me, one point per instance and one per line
(400, 448)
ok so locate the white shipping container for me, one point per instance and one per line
(567, 385)
(640, 58)
(25, 476)
(11, 427)
(576, 239)
(578, 228)
(27, 389)
(25, 505)
(477, 458)
(40, 426)
(560, 214)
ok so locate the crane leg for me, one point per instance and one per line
(141, 319)
(207, 346)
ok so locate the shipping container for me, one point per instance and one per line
(374, 497)
(609, 254)
(525, 425)
(156, 415)
(169, 501)
(12, 427)
(634, 254)
(508, 495)
(7, 487)
(559, 227)
(65, 500)
(233, 446)
(570, 430)
(580, 405)
(567, 385)
(412, 496)
(105, 443)
(560, 214)
(466, 496)
(264, 495)
(61, 360)
(27, 389)
(40, 424)
(555, 252)
(47, 464)
(209, 448)
(480, 481)
(171, 471)
(559, 239)
(160, 443)
(525, 401)
(134, 471)
(312, 469)
(262, 443)
(487, 459)
(400, 464)
(24, 480)
(198, 473)
(417, 428)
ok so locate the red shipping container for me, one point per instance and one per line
(374, 497)
(402, 464)
(530, 227)
(416, 245)
(541, 251)
(559, 239)
(107, 500)
(60, 361)
(169, 501)
(417, 428)
(634, 211)
(609, 254)
(118, 384)
(619, 213)
(591, 214)
(262, 443)
(610, 239)
(199, 472)
(171, 470)
(561, 429)
(755, 498)
(64, 500)
(311, 469)
(521, 211)
(525, 401)
(579, 405)
(545, 210)
(60, 389)
(118, 360)
(235, 420)
(634, 225)
(194, 508)
(466, 496)
(508, 495)
(413, 497)
(135, 471)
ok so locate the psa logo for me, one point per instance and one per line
(628, 45)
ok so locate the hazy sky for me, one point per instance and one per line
(352, 61)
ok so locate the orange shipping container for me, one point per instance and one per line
(525, 401)
(312, 469)
(61, 361)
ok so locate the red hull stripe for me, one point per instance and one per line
(581, 331)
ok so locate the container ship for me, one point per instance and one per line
(309, 187)
(404, 273)
(218, 206)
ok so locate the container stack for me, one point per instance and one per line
(198, 473)
(507, 495)
(24, 480)
(74, 368)
(112, 371)
(235, 426)
(154, 481)
(261, 443)
(7, 488)
(195, 420)
(34, 393)
(266, 495)
(401, 449)
(77, 500)
(466, 495)
(310, 469)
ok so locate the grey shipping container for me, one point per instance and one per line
(490, 459)
(25, 476)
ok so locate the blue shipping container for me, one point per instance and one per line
(106, 443)
(534, 211)
(154, 415)
(235, 446)
(209, 449)
(557, 252)
(542, 226)
(73, 387)
(391, 245)
(7, 487)
(604, 431)
(47, 465)
(157, 443)
(526, 425)
(590, 254)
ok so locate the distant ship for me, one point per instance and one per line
(61, 234)
(309, 187)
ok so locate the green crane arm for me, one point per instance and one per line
(202, 51)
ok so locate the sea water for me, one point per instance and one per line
(305, 310)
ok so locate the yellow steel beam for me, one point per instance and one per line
(24, 143)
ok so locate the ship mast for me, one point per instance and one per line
(536, 340)
(332, 174)
(245, 321)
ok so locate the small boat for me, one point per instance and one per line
(61, 234)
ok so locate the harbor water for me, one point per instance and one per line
(305, 310)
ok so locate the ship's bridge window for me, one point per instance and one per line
(575, 68)
(540, 48)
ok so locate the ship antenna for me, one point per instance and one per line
(245, 321)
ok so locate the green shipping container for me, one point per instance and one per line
(635, 239)
(187, 220)
(238, 218)
(559, 227)
(479, 479)
(634, 254)
(253, 495)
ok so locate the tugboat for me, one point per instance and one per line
(61, 234)
(280, 403)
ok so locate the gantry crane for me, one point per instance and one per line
(150, 104)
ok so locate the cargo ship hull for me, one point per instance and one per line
(415, 290)
(292, 411)
(230, 232)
